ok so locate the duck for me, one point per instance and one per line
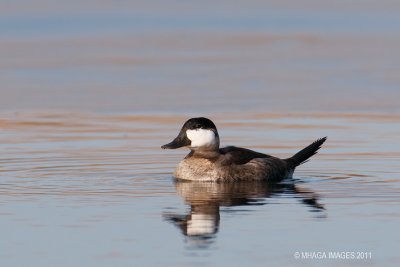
(208, 162)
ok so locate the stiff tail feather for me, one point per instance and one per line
(303, 155)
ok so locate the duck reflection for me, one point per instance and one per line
(201, 224)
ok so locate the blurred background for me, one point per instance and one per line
(91, 89)
(200, 56)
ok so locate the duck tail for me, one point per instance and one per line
(303, 155)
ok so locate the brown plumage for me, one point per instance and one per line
(208, 162)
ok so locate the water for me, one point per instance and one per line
(140, 57)
(97, 190)
(90, 90)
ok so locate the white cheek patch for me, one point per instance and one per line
(201, 137)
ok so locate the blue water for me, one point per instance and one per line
(90, 90)
(226, 19)
(97, 190)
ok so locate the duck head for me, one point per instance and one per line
(196, 134)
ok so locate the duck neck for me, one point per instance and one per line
(205, 152)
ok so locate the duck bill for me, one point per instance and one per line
(178, 142)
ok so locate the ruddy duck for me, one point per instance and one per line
(208, 162)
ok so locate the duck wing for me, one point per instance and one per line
(238, 155)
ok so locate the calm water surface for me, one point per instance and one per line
(95, 189)
(91, 89)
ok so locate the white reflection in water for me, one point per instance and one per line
(205, 199)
